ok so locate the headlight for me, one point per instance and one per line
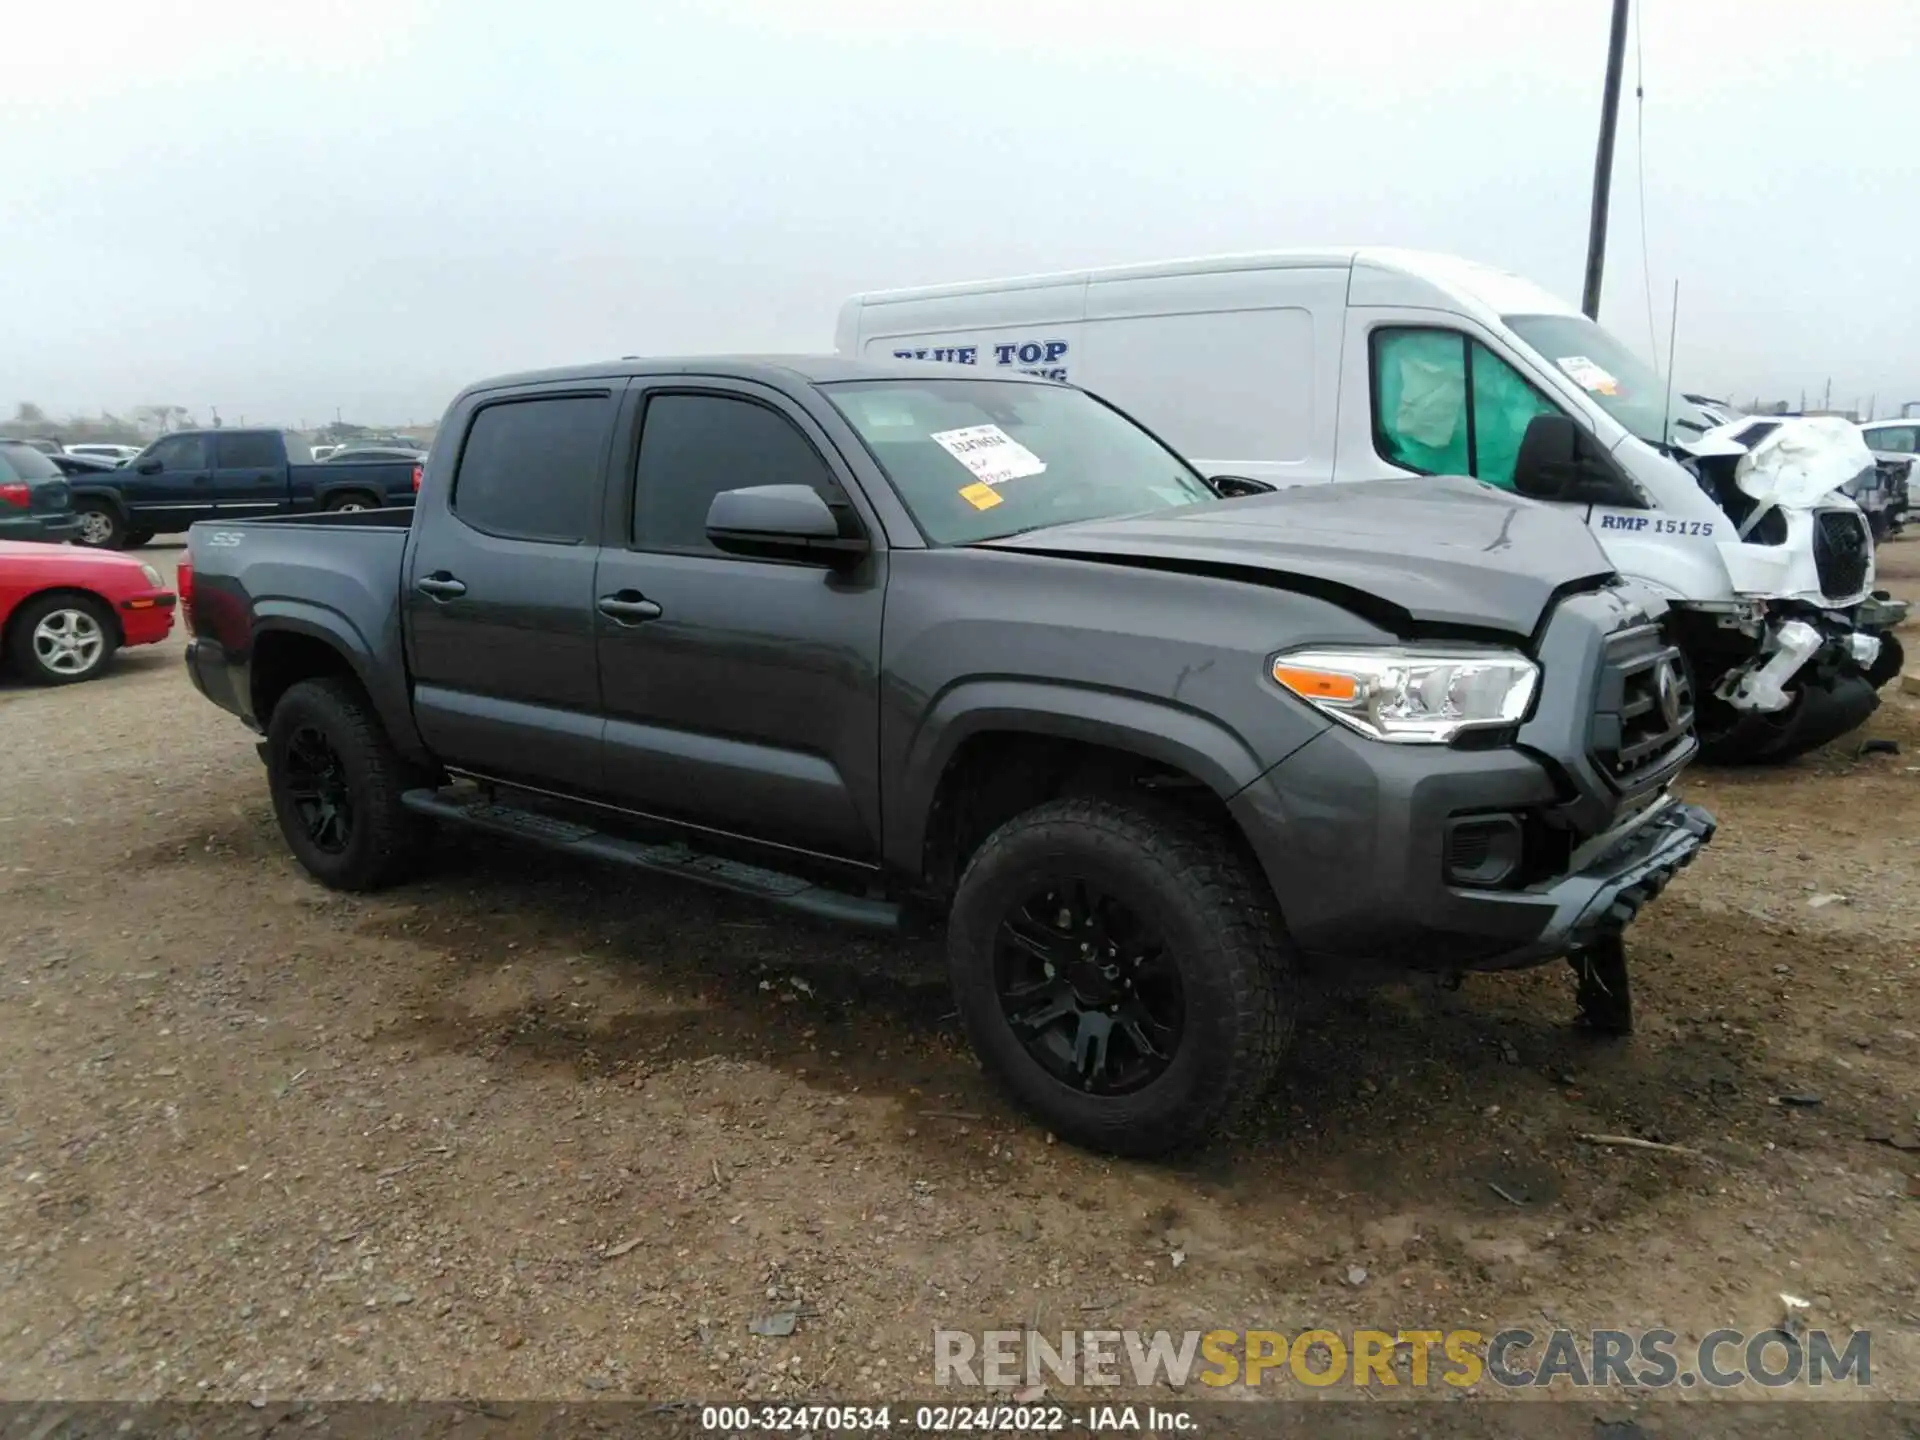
(1417, 697)
(154, 577)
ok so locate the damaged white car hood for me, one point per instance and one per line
(1797, 462)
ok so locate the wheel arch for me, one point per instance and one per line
(295, 640)
(988, 751)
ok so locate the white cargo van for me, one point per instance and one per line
(1292, 367)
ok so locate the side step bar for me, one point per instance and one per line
(790, 891)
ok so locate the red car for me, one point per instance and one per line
(65, 610)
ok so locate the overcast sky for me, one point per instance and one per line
(283, 208)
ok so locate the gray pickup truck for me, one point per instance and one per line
(878, 642)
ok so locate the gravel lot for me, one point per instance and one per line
(524, 1130)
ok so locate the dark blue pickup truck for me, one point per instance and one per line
(195, 475)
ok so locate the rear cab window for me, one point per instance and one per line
(249, 450)
(531, 467)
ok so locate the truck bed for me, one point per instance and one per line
(335, 577)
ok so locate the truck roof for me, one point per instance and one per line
(775, 369)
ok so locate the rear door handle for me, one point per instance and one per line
(440, 586)
(628, 607)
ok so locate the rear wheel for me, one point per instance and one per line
(1122, 973)
(62, 639)
(336, 782)
(101, 526)
(352, 501)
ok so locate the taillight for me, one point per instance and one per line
(416, 479)
(183, 587)
(14, 493)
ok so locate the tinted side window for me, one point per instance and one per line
(181, 452)
(530, 469)
(1420, 400)
(250, 451)
(694, 446)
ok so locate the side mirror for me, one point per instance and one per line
(783, 522)
(1559, 461)
(1232, 487)
(147, 467)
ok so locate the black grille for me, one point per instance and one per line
(1842, 551)
(1643, 715)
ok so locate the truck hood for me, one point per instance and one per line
(1427, 555)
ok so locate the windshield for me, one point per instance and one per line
(982, 459)
(1620, 382)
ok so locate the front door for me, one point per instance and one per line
(499, 597)
(178, 492)
(249, 473)
(740, 694)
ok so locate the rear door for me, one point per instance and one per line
(747, 701)
(249, 473)
(499, 592)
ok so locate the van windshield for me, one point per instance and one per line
(983, 459)
(1620, 382)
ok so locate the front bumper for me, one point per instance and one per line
(1603, 898)
(147, 619)
(1352, 836)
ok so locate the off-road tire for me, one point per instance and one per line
(1221, 924)
(385, 840)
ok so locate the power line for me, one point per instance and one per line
(1640, 168)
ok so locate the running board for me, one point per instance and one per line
(790, 891)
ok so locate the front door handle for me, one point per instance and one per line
(440, 586)
(628, 607)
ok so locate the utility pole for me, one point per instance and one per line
(1603, 162)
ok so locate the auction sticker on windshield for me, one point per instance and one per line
(989, 452)
(1587, 375)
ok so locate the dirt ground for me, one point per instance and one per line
(524, 1130)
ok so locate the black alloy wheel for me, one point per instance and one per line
(1089, 987)
(316, 783)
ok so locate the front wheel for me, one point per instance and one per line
(101, 526)
(62, 640)
(1121, 971)
(336, 783)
